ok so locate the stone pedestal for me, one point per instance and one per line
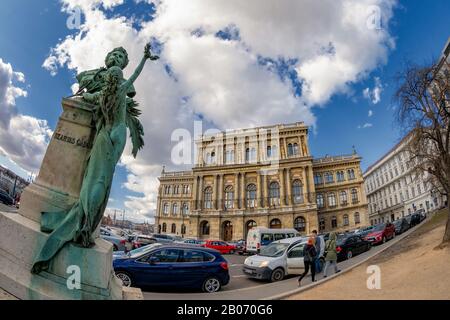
(56, 189)
(58, 184)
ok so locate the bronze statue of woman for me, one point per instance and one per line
(112, 117)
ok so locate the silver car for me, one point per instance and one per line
(119, 243)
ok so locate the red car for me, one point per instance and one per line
(221, 246)
(381, 233)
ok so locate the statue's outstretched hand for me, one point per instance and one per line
(148, 54)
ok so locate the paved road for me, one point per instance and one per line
(241, 288)
(5, 208)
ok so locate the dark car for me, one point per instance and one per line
(415, 219)
(365, 231)
(6, 198)
(401, 225)
(381, 233)
(349, 246)
(177, 266)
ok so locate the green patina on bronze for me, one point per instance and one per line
(114, 112)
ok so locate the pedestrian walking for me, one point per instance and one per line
(309, 259)
(320, 249)
(330, 254)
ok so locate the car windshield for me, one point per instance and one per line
(274, 250)
(379, 227)
(137, 252)
(397, 223)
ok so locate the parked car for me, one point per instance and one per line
(119, 243)
(259, 237)
(174, 265)
(401, 225)
(277, 260)
(193, 242)
(221, 246)
(143, 249)
(142, 240)
(163, 238)
(415, 219)
(408, 219)
(6, 198)
(349, 246)
(381, 233)
(364, 231)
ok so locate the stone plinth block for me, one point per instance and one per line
(21, 240)
(59, 181)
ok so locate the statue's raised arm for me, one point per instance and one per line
(140, 67)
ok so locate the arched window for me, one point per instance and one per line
(208, 158)
(213, 157)
(183, 229)
(295, 149)
(300, 224)
(204, 228)
(340, 176)
(164, 227)
(247, 155)
(346, 220)
(207, 196)
(269, 152)
(185, 209)
(175, 209)
(334, 222)
(320, 201)
(229, 156)
(357, 218)
(275, 224)
(351, 174)
(354, 196)
(174, 228)
(251, 196)
(322, 224)
(166, 209)
(297, 191)
(332, 199)
(252, 155)
(290, 150)
(343, 197)
(318, 179)
(274, 193)
(229, 197)
(159, 229)
(329, 177)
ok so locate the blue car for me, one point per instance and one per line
(177, 266)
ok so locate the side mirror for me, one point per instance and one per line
(153, 260)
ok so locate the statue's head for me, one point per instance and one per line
(117, 57)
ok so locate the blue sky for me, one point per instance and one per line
(420, 29)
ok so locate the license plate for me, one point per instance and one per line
(248, 271)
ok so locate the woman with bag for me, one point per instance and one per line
(330, 254)
(309, 259)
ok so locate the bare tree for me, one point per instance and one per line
(424, 111)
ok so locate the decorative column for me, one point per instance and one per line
(220, 193)
(236, 188)
(311, 188)
(282, 187)
(200, 194)
(259, 202)
(195, 193)
(215, 189)
(288, 181)
(242, 191)
(265, 192)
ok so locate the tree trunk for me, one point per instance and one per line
(447, 227)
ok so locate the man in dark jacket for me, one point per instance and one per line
(309, 259)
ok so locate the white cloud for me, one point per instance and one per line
(374, 95)
(23, 139)
(365, 126)
(370, 113)
(222, 79)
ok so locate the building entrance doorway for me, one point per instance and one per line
(227, 231)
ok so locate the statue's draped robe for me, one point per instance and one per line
(78, 224)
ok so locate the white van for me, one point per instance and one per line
(278, 259)
(259, 237)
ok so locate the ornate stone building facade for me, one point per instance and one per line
(261, 177)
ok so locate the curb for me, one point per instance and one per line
(315, 284)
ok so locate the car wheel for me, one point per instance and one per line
(277, 275)
(125, 278)
(384, 239)
(349, 254)
(211, 285)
